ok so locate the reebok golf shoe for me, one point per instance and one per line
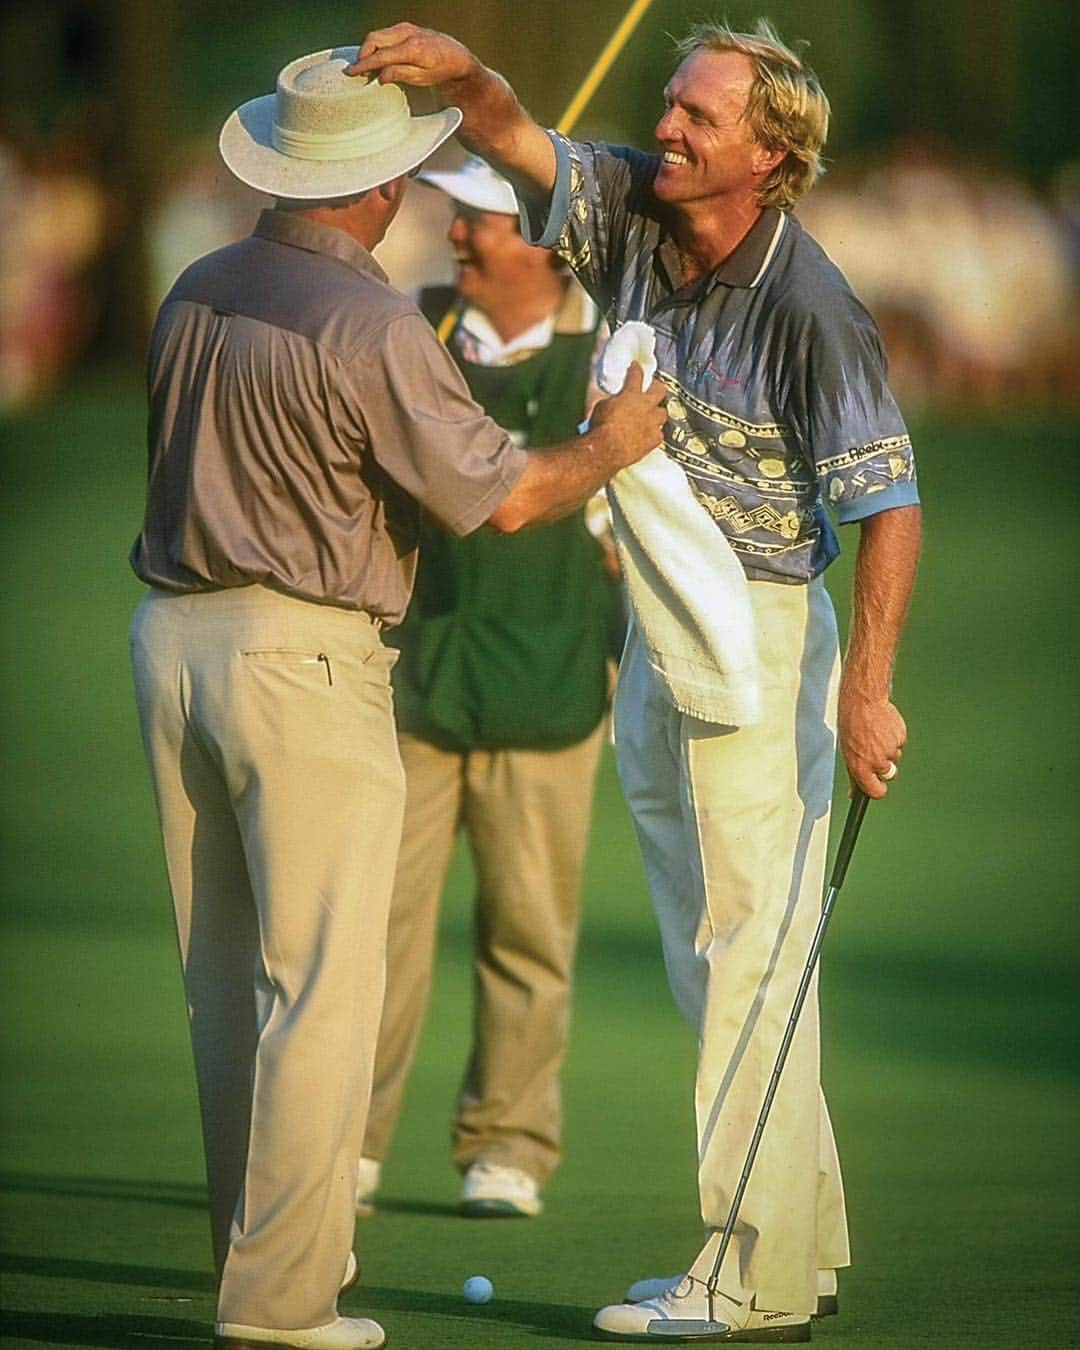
(344, 1333)
(491, 1191)
(686, 1313)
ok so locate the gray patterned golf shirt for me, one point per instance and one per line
(778, 400)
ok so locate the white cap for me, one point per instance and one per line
(475, 184)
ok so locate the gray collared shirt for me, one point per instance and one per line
(301, 412)
(778, 396)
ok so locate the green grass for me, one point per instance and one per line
(948, 989)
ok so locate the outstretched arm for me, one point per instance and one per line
(494, 124)
(872, 732)
(560, 478)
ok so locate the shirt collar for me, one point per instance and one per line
(478, 338)
(748, 261)
(575, 314)
(284, 227)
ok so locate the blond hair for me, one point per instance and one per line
(786, 108)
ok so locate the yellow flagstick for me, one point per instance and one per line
(576, 107)
(446, 324)
(601, 66)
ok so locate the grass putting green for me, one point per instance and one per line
(949, 983)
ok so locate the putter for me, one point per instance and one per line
(688, 1329)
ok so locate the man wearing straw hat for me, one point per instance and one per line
(301, 414)
(500, 693)
(778, 404)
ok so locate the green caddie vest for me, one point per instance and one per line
(505, 642)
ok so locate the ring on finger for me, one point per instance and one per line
(889, 774)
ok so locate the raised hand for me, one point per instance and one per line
(494, 123)
(407, 54)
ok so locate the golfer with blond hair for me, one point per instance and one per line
(781, 419)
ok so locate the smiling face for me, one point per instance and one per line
(492, 258)
(708, 151)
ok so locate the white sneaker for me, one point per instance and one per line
(491, 1191)
(344, 1333)
(686, 1313)
(827, 1302)
(368, 1177)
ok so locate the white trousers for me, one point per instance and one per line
(733, 827)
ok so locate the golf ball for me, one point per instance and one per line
(478, 1289)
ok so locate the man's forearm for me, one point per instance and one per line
(558, 480)
(884, 578)
(561, 478)
(492, 117)
(871, 730)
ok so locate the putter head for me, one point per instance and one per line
(686, 1329)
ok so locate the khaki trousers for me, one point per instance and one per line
(733, 826)
(268, 727)
(526, 814)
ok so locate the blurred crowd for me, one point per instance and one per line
(971, 274)
(52, 236)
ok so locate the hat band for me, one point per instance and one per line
(355, 143)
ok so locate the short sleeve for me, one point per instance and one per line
(851, 428)
(426, 432)
(597, 190)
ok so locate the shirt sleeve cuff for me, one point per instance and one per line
(888, 499)
(544, 231)
(513, 467)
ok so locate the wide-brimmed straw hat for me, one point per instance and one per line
(476, 184)
(325, 134)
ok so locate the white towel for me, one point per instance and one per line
(687, 589)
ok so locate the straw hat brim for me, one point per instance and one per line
(249, 153)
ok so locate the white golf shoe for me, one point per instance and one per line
(827, 1302)
(491, 1191)
(368, 1176)
(685, 1313)
(344, 1333)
